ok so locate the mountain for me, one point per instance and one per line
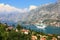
(11, 14)
(46, 11)
(35, 14)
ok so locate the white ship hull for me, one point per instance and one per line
(41, 25)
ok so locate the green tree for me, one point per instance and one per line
(19, 27)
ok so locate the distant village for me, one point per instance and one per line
(55, 23)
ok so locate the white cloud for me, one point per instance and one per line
(8, 8)
(32, 7)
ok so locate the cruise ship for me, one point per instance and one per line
(40, 25)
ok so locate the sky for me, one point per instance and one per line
(26, 3)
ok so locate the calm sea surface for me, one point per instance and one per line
(48, 29)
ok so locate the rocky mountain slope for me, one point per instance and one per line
(46, 11)
(43, 12)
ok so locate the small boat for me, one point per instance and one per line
(40, 25)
